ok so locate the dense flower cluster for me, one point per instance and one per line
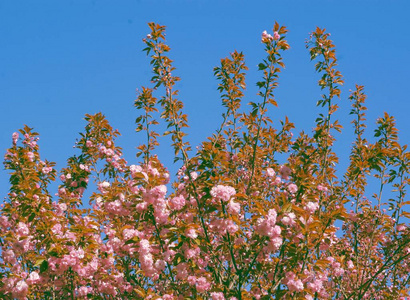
(235, 224)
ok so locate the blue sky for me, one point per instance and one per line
(63, 59)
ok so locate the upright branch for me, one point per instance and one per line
(171, 106)
(359, 166)
(176, 122)
(232, 84)
(321, 47)
(271, 67)
(384, 152)
(146, 102)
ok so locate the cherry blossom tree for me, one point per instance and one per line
(235, 222)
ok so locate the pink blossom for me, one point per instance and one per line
(169, 254)
(114, 207)
(315, 286)
(82, 291)
(177, 203)
(285, 172)
(234, 207)
(192, 252)
(15, 137)
(129, 233)
(311, 207)
(20, 290)
(155, 195)
(33, 278)
(9, 257)
(191, 233)
(159, 191)
(191, 280)
(266, 225)
(270, 172)
(160, 265)
(202, 284)
(106, 287)
(77, 253)
(145, 258)
(293, 284)
(339, 271)
(30, 156)
(22, 229)
(322, 188)
(277, 181)
(61, 208)
(62, 192)
(140, 207)
(181, 270)
(217, 296)
(266, 37)
(223, 192)
(352, 216)
(153, 171)
(46, 170)
(289, 219)
(109, 152)
(292, 188)
(23, 245)
(166, 177)
(193, 175)
(136, 170)
(276, 36)
(4, 222)
(104, 184)
(273, 244)
(231, 227)
(161, 213)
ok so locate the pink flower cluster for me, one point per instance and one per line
(223, 192)
(311, 207)
(177, 202)
(146, 259)
(267, 37)
(15, 137)
(294, 284)
(266, 226)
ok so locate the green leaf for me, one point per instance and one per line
(31, 218)
(38, 262)
(262, 66)
(43, 266)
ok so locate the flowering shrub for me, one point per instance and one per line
(236, 224)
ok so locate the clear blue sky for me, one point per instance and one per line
(63, 59)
